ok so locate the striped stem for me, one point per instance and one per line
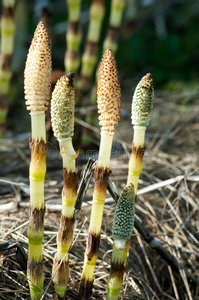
(7, 25)
(37, 88)
(118, 267)
(122, 229)
(62, 114)
(73, 36)
(109, 103)
(112, 36)
(115, 20)
(99, 195)
(36, 216)
(131, 14)
(65, 233)
(89, 58)
(141, 112)
(142, 106)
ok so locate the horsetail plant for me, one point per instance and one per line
(122, 229)
(109, 104)
(89, 58)
(142, 106)
(73, 36)
(115, 20)
(37, 88)
(7, 25)
(111, 39)
(62, 117)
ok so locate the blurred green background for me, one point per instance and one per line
(156, 36)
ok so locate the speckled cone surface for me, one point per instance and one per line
(125, 214)
(38, 71)
(62, 107)
(142, 104)
(108, 93)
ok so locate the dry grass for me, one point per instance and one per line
(170, 213)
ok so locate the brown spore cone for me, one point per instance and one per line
(108, 93)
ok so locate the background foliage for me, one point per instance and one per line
(160, 37)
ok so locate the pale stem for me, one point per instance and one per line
(111, 297)
(38, 125)
(97, 210)
(118, 250)
(74, 10)
(62, 255)
(67, 210)
(116, 13)
(138, 141)
(7, 43)
(117, 258)
(93, 35)
(139, 136)
(36, 192)
(105, 149)
(133, 179)
(8, 3)
(68, 154)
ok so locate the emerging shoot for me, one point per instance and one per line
(142, 106)
(37, 89)
(62, 116)
(122, 229)
(109, 104)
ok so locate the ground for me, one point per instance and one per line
(169, 213)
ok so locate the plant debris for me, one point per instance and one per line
(166, 205)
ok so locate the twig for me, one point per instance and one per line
(164, 183)
(173, 284)
(148, 262)
(84, 184)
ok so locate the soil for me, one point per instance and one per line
(168, 212)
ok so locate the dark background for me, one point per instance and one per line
(156, 36)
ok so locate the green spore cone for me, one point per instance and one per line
(125, 214)
(62, 107)
(142, 104)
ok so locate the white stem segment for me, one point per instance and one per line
(38, 125)
(37, 192)
(115, 283)
(119, 244)
(105, 149)
(37, 179)
(139, 136)
(97, 210)
(68, 154)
